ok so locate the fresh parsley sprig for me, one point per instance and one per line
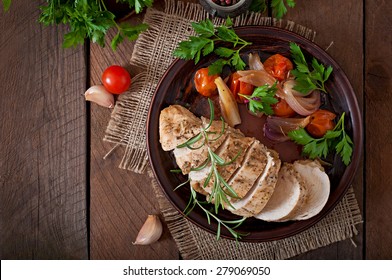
(204, 43)
(261, 99)
(336, 139)
(308, 79)
(91, 19)
(278, 6)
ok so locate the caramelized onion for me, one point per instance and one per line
(255, 62)
(257, 78)
(276, 128)
(302, 104)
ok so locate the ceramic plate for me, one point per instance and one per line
(175, 87)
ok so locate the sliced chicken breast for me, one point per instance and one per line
(260, 193)
(176, 125)
(191, 158)
(251, 168)
(234, 146)
(317, 185)
(287, 198)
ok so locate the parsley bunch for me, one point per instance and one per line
(261, 99)
(336, 139)
(306, 79)
(91, 19)
(278, 6)
(204, 44)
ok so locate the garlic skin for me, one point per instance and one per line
(98, 94)
(150, 232)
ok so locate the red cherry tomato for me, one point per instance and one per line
(278, 66)
(238, 87)
(116, 79)
(282, 109)
(204, 83)
(320, 122)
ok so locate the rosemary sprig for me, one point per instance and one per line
(221, 190)
(193, 201)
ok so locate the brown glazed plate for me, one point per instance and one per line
(175, 87)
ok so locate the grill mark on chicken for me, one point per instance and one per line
(234, 147)
(197, 178)
(187, 159)
(251, 168)
(176, 125)
(261, 191)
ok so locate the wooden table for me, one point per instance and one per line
(60, 200)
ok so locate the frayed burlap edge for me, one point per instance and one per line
(153, 53)
(197, 244)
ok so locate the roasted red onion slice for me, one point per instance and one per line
(302, 104)
(257, 78)
(255, 62)
(276, 128)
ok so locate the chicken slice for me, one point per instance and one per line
(288, 197)
(191, 158)
(317, 185)
(234, 145)
(258, 196)
(177, 125)
(252, 167)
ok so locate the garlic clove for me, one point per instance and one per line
(150, 232)
(100, 95)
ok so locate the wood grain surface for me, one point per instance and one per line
(378, 92)
(42, 140)
(345, 45)
(120, 199)
(60, 200)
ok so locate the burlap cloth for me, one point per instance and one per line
(153, 52)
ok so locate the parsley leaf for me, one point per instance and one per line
(139, 5)
(336, 139)
(217, 66)
(6, 5)
(279, 8)
(204, 28)
(91, 19)
(258, 6)
(306, 79)
(204, 44)
(261, 99)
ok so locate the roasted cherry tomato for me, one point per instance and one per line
(278, 66)
(282, 109)
(204, 83)
(116, 79)
(238, 87)
(320, 122)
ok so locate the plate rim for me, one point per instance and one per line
(348, 176)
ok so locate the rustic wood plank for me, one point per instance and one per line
(378, 93)
(342, 33)
(42, 140)
(120, 199)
